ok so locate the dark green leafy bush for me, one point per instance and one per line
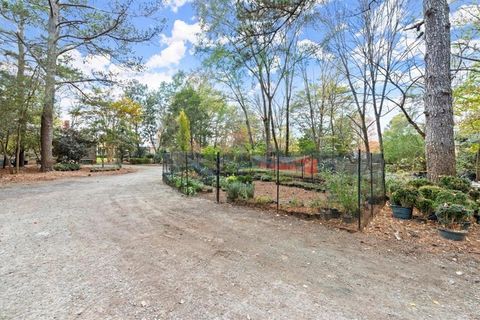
(455, 183)
(451, 197)
(474, 194)
(425, 206)
(66, 166)
(140, 160)
(405, 197)
(430, 192)
(419, 182)
(393, 184)
(452, 214)
(266, 178)
(245, 179)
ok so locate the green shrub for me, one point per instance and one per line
(455, 183)
(343, 190)
(266, 177)
(140, 160)
(419, 182)
(245, 179)
(66, 166)
(231, 179)
(474, 194)
(452, 214)
(263, 200)
(450, 197)
(405, 197)
(430, 192)
(425, 206)
(393, 184)
(237, 190)
(150, 156)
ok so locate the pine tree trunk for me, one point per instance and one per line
(439, 139)
(46, 131)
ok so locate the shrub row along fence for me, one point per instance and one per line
(346, 189)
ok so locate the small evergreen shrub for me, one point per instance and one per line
(452, 214)
(450, 197)
(425, 206)
(405, 197)
(455, 183)
(66, 166)
(140, 160)
(419, 182)
(430, 192)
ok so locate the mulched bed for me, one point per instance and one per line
(290, 200)
(415, 235)
(31, 173)
(421, 234)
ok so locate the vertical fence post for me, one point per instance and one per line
(278, 180)
(186, 173)
(311, 167)
(303, 168)
(218, 177)
(359, 186)
(371, 186)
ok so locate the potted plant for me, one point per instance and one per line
(402, 202)
(453, 217)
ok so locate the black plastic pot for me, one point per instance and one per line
(327, 215)
(347, 219)
(335, 213)
(453, 234)
(466, 225)
(401, 212)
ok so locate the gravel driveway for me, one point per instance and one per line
(129, 247)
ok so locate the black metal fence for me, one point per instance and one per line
(345, 188)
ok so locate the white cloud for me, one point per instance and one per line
(174, 5)
(182, 33)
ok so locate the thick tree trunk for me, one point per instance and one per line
(46, 131)
(439, 139)
(20, 97)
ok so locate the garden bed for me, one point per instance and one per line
(31, 173)
(421, 234)
(293, 201)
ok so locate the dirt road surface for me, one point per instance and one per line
(130, 247)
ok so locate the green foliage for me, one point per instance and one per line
(71, 145)
(405, 197)
(306, 145)
(474, 194)
(419, 182)
(343, 190)
(237, 190)
(210, 152)
(393, 184)
(430, 192)
(451, 197)
(266, 178)
(452, 214)
(245, 179)
(455, 183)
(426, 206)
(66, 166)
(403, 146)
(183, 133)
(140, 160)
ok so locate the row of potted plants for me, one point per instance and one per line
(452, 202)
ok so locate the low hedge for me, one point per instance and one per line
(66, 166)
(140, 160)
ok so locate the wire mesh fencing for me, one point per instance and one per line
(344, 189)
